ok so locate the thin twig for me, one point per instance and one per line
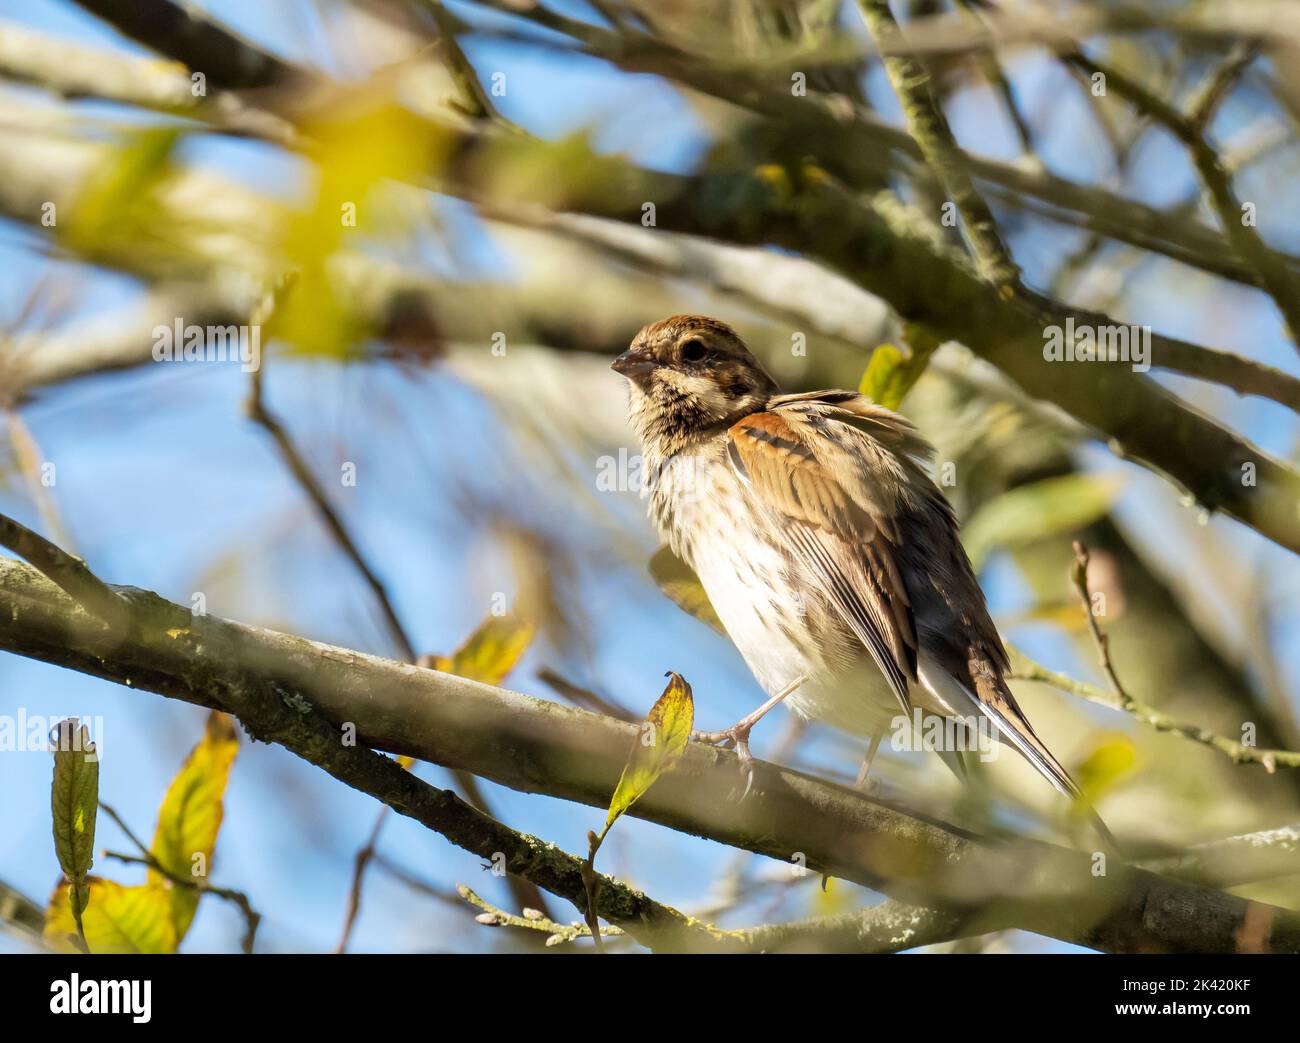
(146, 858)
(359, 864)
(532, 920)
(293, 459)
(997, 77)
(1079, 574)
(66, 570)
(1269, 759)
(312, 487)
(585, 697)
(1274, 274)
(1119, 697)
(414, 882)
(28, 456)
(474, 100)
(1217, 86)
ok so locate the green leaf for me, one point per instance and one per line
(676, 579)
(74, 802)
(118, 919)
(658, 745)
(190, 818)
(890, 374)
(1032, 512)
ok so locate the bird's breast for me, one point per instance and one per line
(781, 624)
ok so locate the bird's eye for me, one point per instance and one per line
(694, 351)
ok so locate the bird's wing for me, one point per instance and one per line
(840, 528)
(845, 476)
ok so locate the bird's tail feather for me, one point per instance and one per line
(1015, 729)
(1023, 737)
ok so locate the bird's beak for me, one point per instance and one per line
(636, 365)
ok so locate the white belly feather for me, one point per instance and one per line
(710, 521)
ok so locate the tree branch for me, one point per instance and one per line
(199, 41)
(877, 243)
(859, 149)
(300, 693)
(1274, 274)
(929, 129)
(257, 411)
(334, 524)
(68, 571)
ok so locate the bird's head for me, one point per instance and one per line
(690, 377)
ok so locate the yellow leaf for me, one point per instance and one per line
(492, 651)
(675, 578)
(74, 801)
(834, 897)
(116, 919)
(1112, 758)
(360, 145)
(1063, 614)
(190, 817)
(658, 744)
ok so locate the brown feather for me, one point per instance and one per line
(776, 452)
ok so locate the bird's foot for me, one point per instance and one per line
(865, 783)
(870, 785)
(736, 737)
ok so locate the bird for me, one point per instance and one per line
(830, 556)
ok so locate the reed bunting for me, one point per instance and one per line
(829, 554)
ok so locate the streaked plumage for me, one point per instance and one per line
(823, 544)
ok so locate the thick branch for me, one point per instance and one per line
(276, 684)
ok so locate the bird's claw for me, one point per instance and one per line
(746, 764)
(736, 738)
(869, 785)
